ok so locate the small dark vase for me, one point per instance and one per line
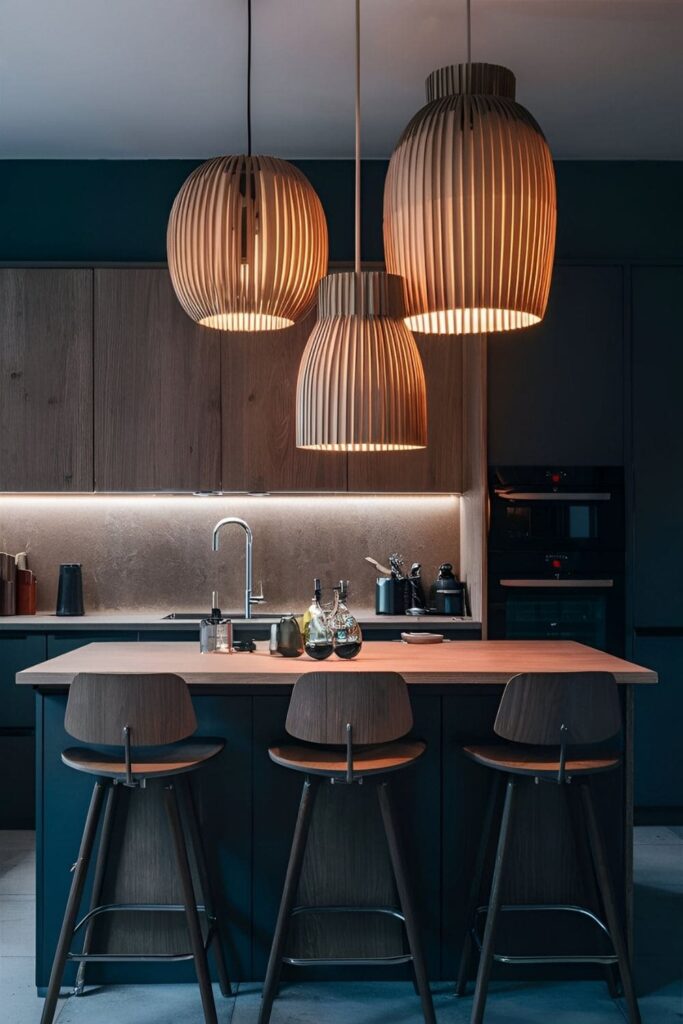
(290, 642)
(70, 591)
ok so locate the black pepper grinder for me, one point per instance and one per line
(70, 590)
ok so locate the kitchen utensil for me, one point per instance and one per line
(396, 563)
(21, 560)
(26, 592)
(378, 566)
(70, 590)
(418, 602)
(422, 638)
(447, 593)
(392, 596)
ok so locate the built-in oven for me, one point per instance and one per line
(556, 555)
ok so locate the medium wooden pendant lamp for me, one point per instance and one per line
(361, 386)
(246, 240)
(470, 206)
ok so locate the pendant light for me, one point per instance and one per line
(361, 385)
(246, 239)
(470, 206)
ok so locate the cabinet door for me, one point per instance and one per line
(157, 388)
(556, 390)
(46, 380)
(438, 467)
(657, 445)
(259, 373)
(18, 651)
(658, 713)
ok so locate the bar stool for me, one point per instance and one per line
(356, 719)
(543, 715)
(131, 712)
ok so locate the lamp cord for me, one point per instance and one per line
(469, 31)
(357, 182)
(249, 77)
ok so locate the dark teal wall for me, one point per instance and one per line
(84, 210)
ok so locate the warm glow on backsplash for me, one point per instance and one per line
(153, 552)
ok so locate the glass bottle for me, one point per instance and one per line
(348, 638)
(318, 640)
(215, 632)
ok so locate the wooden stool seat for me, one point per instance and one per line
(376, 759)
(175, 759)
(519, 760)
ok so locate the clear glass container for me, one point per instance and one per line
(215, 632)
(347, 635)
(318, 636)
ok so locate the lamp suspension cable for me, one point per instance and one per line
(469, 30)
(357, 167)
(249, 77)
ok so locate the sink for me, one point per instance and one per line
(196, 616)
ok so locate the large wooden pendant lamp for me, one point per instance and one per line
(470, 206)
(246, 240)
(361, 385)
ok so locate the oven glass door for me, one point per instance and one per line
(535, 615)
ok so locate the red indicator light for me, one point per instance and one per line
(555, 477)
(556, 563)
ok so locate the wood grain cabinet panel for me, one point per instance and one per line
(157, 388)
(46, 411)
(438, 467)
(259, 373)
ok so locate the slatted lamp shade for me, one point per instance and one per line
(247, 244)
(361, 386)
(470, 207)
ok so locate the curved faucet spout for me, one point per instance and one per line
(248, 568)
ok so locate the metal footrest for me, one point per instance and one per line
(112, 958)
(381, 961)
(577, 958)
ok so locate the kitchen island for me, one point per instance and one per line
(248, 805)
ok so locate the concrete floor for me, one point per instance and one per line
(658, 968)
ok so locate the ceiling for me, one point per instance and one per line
(166, 78)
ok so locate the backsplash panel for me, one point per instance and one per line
(153, 553)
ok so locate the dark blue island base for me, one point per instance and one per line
(248, 806)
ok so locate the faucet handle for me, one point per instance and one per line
(258, 598)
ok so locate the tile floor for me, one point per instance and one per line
(658, 967)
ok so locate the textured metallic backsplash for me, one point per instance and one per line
(153, 553)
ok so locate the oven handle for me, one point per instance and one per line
(551, 584)
(554, 495)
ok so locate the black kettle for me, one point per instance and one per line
(447, 594)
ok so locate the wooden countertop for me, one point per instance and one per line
(460, 662)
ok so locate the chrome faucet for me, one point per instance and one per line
(249, 596)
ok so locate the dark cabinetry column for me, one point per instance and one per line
(556, 390)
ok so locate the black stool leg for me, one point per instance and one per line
(98, 880)
(406, 901)
(486, 958)
(296, 859)
(205, 883)
(605, 886)
(586, 868)
(73, 903)
(190, 901)
(475, 890)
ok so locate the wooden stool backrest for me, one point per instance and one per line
(375, 704)
(157, 708)
(536, 706)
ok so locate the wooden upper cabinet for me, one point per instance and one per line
(46, 400)
(438, 467)
(157, 388)
(259, 373)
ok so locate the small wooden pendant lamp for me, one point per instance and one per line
(246, 240)
(361, 385)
